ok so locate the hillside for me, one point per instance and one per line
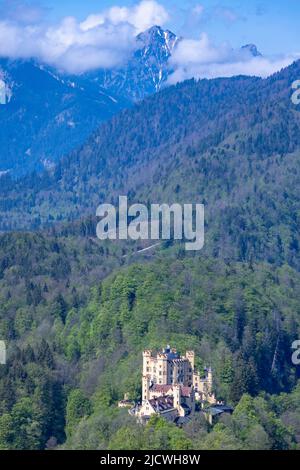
(163, 120)
(73, 352)
(43, 108)
(230, 143)
(76, 313)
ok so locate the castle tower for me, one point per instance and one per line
(147, 355)
(146, 387)
(177, 396)
(190, 355)
(209, 376)
(175, 373)
(162, 371)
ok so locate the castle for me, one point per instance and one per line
(171, 385)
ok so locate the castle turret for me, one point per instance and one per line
(147, 354)
(177, 396)
(209, 376)
(175, 373)
(146, 383)
(190, 355)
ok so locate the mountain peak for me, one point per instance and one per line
(152, 32)
(155, 29)
(157, 36)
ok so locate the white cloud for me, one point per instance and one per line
(200, 58)
(141, 16)
(103, 40)
(197, 51)
(66, 46)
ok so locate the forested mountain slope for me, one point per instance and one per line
(47, 115)
(76, 312)
(73, 352)
(233, 144)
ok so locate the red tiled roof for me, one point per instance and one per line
(186, 391)
(161, 388)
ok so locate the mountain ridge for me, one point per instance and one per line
(224, 142)
(49, 113)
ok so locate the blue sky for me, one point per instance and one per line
(271, 24)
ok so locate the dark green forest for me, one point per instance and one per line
(76, 313)
(76, 351)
